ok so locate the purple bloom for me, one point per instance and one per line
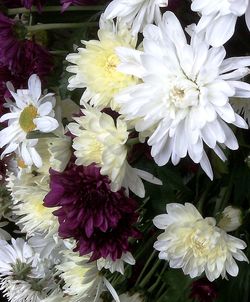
(26, 3)
(11, 45)
(100, 220)
(67, 3)
(203, 291)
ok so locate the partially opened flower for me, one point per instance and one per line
(183, 101)
(100, 220)
(196, 244)
(95, 66)
(136, 13)
(218, 18)
(31, 111)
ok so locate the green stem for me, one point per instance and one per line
(150, 274)
(145, 267)
(50, 26)
(38, 134)
(21, 10)
(158, 280)
(160, 292)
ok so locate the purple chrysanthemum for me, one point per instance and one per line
(100, 220)
(11, 45)
(22, 57)
(203, 291)
(26, 3)
(66, 3)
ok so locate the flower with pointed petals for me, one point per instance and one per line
(100, 220)
(136, 13)
(95, 66)
(196, 244)
(83, 281)
(26, 3)
(183, 101)
(30, 112)
(101, 140)
(218, 18)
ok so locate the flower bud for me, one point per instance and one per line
(231, 219)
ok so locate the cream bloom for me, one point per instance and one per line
(30, 112)
(98, 140)
(95, 65)
(196, 244)
(83, 282)
(136, 13)
(231, 219)
(218, 18)
(183, 101)
(28, 196)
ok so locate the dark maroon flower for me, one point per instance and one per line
(26, 3)
(203, 291)
(67, 3)
(11, 44)
(100, 220)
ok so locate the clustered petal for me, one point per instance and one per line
(100, 220)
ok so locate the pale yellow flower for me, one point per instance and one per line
(95, 66)
(196, 244)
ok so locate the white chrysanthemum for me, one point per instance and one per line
(83, 281)
(218, 18)
(184, 98)
(196, 244)
(30, 112)
(116, 266)
(98, 140)
(136, 13)
(28, 195)
(95, 66)
(57, 296)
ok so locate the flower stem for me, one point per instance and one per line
(150, 274)
(51, 26)
(132, 141)
(145, 267)
(21, 10)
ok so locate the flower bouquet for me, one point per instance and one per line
(125, 154)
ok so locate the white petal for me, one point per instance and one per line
(46, 123)
(34, 85)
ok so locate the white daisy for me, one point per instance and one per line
(136, 13)
(95, 65)
(218, 18)
(183, 101)
(118, 265)
(196, 244)
(99, 140)
(30, 112)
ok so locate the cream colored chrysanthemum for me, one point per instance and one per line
(95, 66)
(196, 244)
(83, 282)
(30, 190)
(98, 140)
(231, 219)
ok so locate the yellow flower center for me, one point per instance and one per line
(111, 63)
(27, 116)
(21, 163)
